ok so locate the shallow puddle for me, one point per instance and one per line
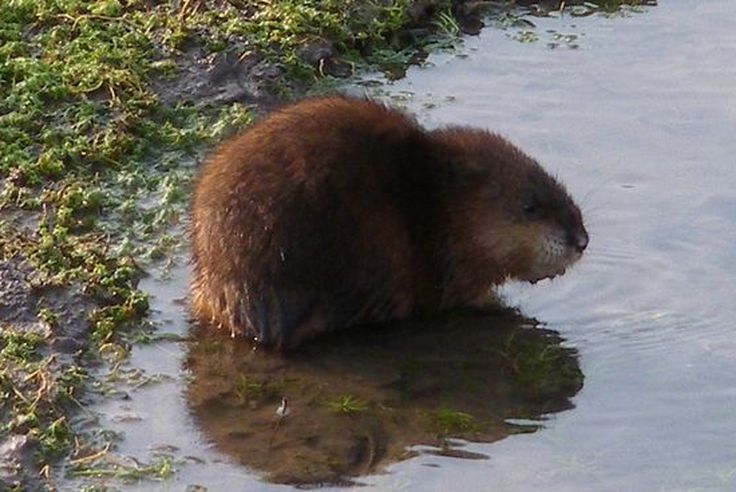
(636, 115)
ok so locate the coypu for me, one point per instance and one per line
(337, 211)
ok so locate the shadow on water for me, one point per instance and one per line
(363, 398)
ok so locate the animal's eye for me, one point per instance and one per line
(532, 210)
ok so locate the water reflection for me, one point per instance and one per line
(362, 398)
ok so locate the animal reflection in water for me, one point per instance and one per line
(349, 404)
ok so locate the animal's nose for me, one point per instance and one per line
(579, 240)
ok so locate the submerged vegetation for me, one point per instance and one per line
(105, 107)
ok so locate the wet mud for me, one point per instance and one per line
(24, 293)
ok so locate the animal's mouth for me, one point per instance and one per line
(552, 270)
(550, 276)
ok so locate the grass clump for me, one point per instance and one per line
(346, 405)
(361, 32)
(19, 346)
(377, 34)
(250, 389)
(449, 422)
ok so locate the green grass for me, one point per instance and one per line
(250, 389)
(19, 346)
(346, 405)
(447, 422)
(360, 30)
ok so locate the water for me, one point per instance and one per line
(364, 398)
(639, 122)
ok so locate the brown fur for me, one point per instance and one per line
(337, 211)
